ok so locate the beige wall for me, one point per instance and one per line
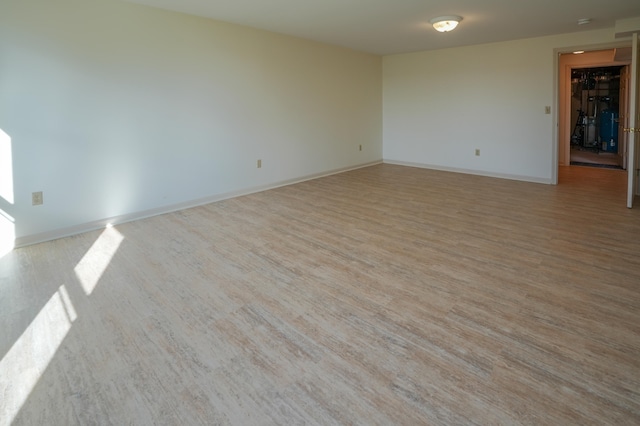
(440, 106)
(117, 109)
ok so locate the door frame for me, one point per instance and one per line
(634, 122)
(558, 75)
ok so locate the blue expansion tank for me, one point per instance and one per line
(609, 130)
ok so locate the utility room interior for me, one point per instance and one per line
(594, 99)
(595, 112)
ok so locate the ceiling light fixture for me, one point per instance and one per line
(578, 52)
(584, 21)
(445, 24)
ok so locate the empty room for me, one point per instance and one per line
(370, 212)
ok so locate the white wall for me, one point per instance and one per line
(439, 106)
(115, 108)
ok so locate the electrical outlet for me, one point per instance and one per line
(259, 164)
(547, 110)
(36, 198)
(477, 152)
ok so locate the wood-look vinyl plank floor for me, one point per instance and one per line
(384, 295)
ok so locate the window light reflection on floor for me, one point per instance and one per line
(95, 261)
(28, 358)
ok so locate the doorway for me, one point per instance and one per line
(595, 112)
(591, 100)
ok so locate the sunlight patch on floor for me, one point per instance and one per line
(95, 261)
(28, 358)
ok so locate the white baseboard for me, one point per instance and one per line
(101, 223)
(532, 179)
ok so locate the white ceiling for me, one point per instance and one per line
(397, 26)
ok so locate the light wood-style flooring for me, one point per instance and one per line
(384, 295)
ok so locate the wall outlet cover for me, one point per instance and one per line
(36, 198)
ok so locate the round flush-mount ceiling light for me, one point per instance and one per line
(445, 24)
